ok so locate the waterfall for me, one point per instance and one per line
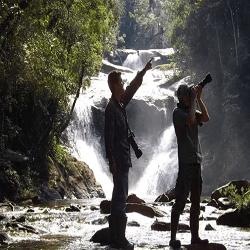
(150, 117)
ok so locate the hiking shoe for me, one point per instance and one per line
(175, 243)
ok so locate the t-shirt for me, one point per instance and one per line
(189, 149)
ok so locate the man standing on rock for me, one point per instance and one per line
(118, 151)
(186, 120)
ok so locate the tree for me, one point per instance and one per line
(47, 51)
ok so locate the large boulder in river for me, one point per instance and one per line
(239, 184)
(235, 218)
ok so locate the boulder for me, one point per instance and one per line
(171, 194)
(164, 226)
(234, 218)
(73, 208)
(132, 198)
(210, 246)
(224, 203)
(237, 183)
(101, 236)
(162, 198)
(143, 210)
(105, 207)
(213, 203)
(133, 224)
(6, 207)
(4, 238)
(208, 227)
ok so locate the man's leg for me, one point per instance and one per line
(118, 208)
(196, 188)
(181, 192)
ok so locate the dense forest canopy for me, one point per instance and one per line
(47, 50)
(50, 49)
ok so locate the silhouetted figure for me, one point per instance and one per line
(186, 120)
(118, 151)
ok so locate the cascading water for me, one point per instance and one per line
(150, 117)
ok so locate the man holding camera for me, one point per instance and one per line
(186, 120)
(117, 146)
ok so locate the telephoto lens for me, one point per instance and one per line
(207, 79)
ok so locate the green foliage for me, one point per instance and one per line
(58, 151)
(240, 199)
(46, 47)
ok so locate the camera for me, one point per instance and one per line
(131, 140)
(206, 80)
(203, 83)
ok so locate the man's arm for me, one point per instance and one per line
(205, 116)
(135, 84)
(109, 132)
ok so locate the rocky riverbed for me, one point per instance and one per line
(70, 224)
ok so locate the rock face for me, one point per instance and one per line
(74, 179)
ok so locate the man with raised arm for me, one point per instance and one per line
(118, 151)
(186, 120)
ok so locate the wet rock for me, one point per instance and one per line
(237, 183)
(205, 201)
(73, 208)
(2, 217)
(108, 67)
(144, 210)
(105, 207)
(19, 219)
(209, 227)
(224, 203)
(162, 198)
(202, 208)
(164, 226)
(133, 224)
(94, 208)
(6, 207)
(100, 221)
(26, 202)
(210, 246)
(30, 210)
(101, 236)
(132, 198)
(23, 227)
(4, 238)
(234, 218)
(37, 200)
(213, 203)
(171, 194)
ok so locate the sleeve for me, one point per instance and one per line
(132, 88)
(109, 131)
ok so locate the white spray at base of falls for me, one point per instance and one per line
(150, 117)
